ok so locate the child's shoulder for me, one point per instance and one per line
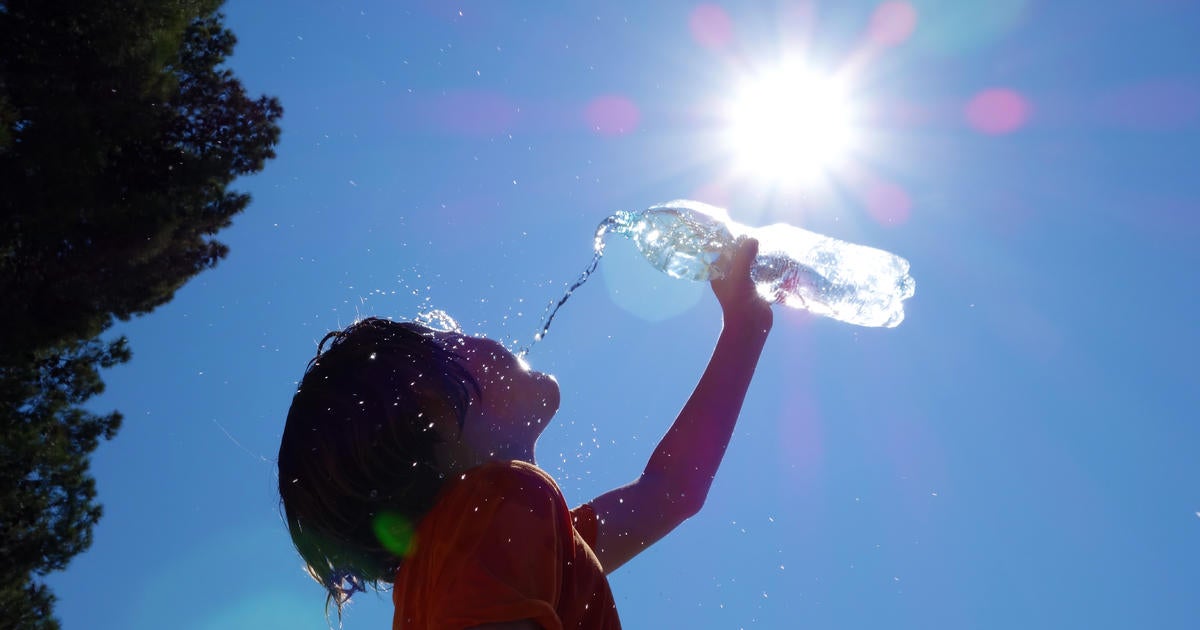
(508, 477)
(507, 492)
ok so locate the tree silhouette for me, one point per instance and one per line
(120, 132)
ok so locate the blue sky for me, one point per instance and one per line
(1020, 452)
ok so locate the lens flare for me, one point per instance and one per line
(888, 203)
(394, 532)
(710, 26)
(998, 111)
(612, 115)
(892, 23)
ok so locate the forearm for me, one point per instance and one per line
(675, 482)
(686, 459)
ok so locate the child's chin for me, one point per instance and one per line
(549, 395)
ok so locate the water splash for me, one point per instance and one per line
(439, 320)
(605, 226)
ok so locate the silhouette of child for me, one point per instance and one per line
(408, 458)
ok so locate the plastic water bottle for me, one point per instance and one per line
(850, 283)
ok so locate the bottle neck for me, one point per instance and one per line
(622, 222)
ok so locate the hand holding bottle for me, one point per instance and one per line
(735, 290)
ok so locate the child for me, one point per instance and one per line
(407, 458)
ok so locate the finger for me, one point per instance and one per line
(746, 255)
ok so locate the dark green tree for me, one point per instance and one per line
(121, 130)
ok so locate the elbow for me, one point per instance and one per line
(687, 500)
(690, 508)
(679, 498)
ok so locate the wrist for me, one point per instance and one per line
(751, 321)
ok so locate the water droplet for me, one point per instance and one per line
(439, 320)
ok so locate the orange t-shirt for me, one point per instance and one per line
(500, 545)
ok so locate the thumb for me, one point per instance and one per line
(744, 258)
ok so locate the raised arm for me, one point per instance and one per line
(676, 480)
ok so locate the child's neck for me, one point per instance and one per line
(463, 460)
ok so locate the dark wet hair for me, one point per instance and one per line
(356, 461)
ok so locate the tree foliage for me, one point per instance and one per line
(120, 132)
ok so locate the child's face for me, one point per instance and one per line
(514, 404)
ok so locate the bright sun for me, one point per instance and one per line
(789, 126)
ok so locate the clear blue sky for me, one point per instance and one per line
(1022, 451)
